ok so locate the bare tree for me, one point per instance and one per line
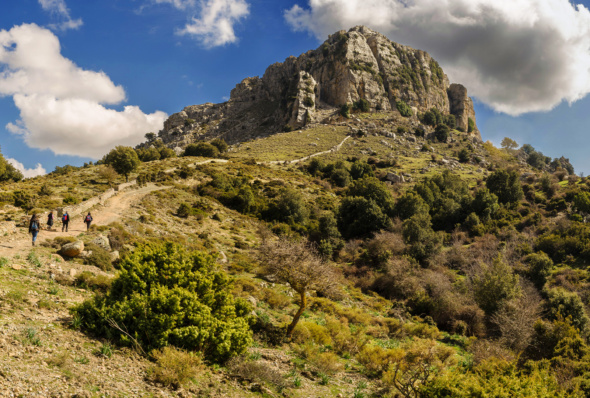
(515, 319)
(299, 265)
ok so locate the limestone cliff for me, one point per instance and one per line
(360, 64)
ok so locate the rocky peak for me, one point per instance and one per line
(350, 66)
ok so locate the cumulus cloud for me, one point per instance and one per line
(212, 23)
(60, 9)
(27, 173)
(62, 107)
(516, 56)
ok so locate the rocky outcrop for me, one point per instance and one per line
(360, 64)
(462, 107)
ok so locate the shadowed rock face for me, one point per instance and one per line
(349, 66)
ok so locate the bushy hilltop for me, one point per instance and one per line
(358, 68)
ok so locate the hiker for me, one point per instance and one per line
(65, 220)
(50, 220)
(88, 220)
(34, 227)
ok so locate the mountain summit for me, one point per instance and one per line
(354, 67)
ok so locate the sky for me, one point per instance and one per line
(78, 78)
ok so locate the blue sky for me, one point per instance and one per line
(79, 77)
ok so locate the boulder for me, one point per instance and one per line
(102, 241)
(72, 249)
(394, 178)
(115, 255)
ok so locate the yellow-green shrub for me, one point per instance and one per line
(167, 296)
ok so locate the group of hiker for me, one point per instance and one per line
(35, 223)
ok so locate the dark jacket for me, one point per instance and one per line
(36, 225)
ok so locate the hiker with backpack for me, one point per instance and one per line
(65, 220)
(34, 227)
(50, 220)
(88, 220)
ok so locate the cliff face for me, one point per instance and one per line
(349, 66)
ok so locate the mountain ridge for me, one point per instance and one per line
(349, 67)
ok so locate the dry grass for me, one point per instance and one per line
(174, 367)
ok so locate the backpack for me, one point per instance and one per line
(88, 218)
(64, 218)
(34, 226)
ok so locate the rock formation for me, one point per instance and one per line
(360, 64)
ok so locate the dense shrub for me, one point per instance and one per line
(362, 105)
(495, 285)
(505, 185)
(220, 144)
(561, 303)
(404, 109)
(497, 378)
(358, 216)
(442, 132)
(203, 149)
(166, 296)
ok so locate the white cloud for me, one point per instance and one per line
(180, 4)
(62, 107)
(27, 173)
(214, 22)
(60, 9)
(516, 56)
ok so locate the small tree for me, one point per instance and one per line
(496, 285)
(108, 173)
(299, 265)
(442, 132)
(123, 159)
(508, 143)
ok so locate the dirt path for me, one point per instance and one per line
(114, 209)
(313, 155)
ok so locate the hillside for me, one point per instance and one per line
(373, 250)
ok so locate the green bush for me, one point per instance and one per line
(358, 216)
(220, 144)
(100, 257)
(404, 109)
(442, 132)
(495, 285)
(203, 149)
(345, 110)
(167, 296)
(561, 303)
(362, 105)
(464, 155)
(505, 185)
